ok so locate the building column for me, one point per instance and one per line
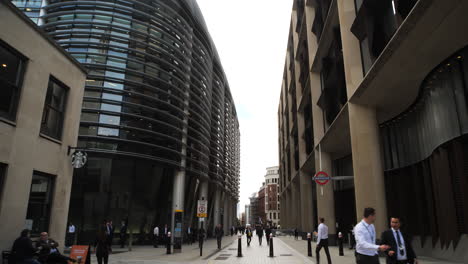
(178, 191)
(325, 195)
(225, 213)
(296, 213)
(203, 195)
(369, 182)
(217, 207)
(306, 202)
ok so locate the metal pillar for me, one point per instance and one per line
(203, 195)
(217, 209)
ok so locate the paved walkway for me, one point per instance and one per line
(348, 258)
(286, 250)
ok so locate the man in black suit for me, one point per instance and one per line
(401, 251)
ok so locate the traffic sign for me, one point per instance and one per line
(321, 178)
(202, 208)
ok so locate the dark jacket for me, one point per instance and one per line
(219, 232)
(259, 231)
(45, 247)
(22, 249)
(389, 239)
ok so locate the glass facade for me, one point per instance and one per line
(156, 101)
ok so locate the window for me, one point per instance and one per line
(40, 202)
(54, 109)
(11, 76)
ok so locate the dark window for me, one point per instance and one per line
(40, 202)
(54, 109)
(3, 168)
(11, 76)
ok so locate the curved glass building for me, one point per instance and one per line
(157, 104)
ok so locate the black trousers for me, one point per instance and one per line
(364, 259)
(101, 258)
(219, 242)
(249, 239)
(322, 244)
(260, 240)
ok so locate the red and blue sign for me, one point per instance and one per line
(321, 178)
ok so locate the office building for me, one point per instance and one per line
(158, 122)
(272, 205)
(374, 93)
(41, 92)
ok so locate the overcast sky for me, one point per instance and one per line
(251, 38)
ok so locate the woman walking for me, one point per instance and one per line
(101, 245)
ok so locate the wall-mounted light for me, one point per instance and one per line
(4, 65)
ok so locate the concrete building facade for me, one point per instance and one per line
(374, 94)
(41, 96)
(272, 205)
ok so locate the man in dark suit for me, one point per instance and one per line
(401, 251)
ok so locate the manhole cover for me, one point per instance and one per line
(221, 258)
(286, 255)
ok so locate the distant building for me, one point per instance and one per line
(261, 205)
(253, 209)
(247, 214)
(271, 196)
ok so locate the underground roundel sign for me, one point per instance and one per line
(321, 178)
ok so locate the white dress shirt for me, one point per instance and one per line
(365, 239)
(399, 256)
(156, 231)
(322, 232)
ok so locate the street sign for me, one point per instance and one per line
(202, 208)
(321, 178)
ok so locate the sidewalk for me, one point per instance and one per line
(348, 258)
(150, 255)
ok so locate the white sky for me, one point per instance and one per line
(251, 38)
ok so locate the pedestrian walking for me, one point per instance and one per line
(189, 235)
(101, 245)
(259, 232)
(249, 235)
(296, 234)
(23, 250)
(401, 251)
(352, 240)
(166, 234)
(110, 232)
(366, 249)
(70, 237)
(322, 241)
(267, 234)
(123, 234)
(156, 236)
(219, 233)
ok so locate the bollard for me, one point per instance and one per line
(239, 246)
(168, 243)
(200, 244)
(340, 243)
(309, 245)
(271, 245)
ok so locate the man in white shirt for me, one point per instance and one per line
(156, 236)
(322, 241)
(364, 231)
(71, 235)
